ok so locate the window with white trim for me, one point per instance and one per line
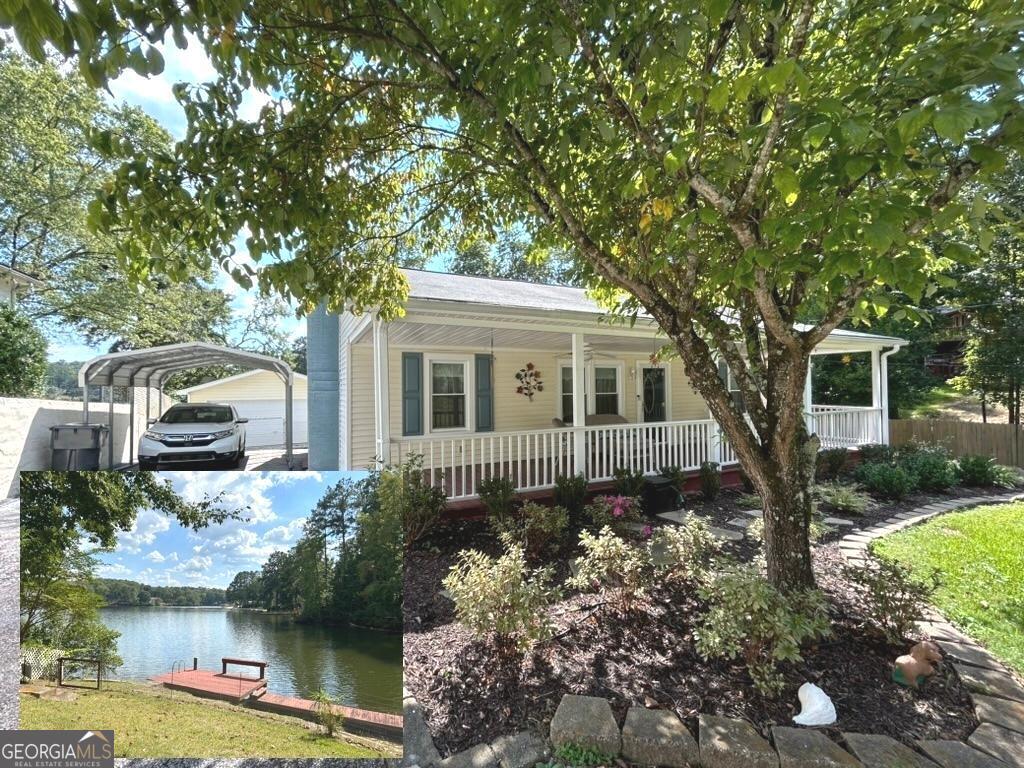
(448, 398)
(607, 388)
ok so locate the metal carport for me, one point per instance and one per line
(150, 368)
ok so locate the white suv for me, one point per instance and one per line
(187, 432)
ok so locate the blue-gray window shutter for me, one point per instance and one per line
(484, 394)
(412, 393)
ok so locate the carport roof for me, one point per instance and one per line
(139, 366)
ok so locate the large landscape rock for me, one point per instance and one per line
(956, 754)
(520, 750)
(658, 737)
(884, 752)
(419, 749)
(990, 682)
(804, 748)
(586, 721)
(480, 756)
(1001, 743)
(727, 743)
(1002, 712)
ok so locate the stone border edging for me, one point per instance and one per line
(658, 737)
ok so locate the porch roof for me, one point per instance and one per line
(462, 292)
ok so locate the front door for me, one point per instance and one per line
(653, 388)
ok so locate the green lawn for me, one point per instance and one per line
(980, 556)
(939, 396)
(150, 723)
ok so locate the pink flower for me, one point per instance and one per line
(647, 531)
(617, 511)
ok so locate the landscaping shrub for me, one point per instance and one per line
(876, 452)
(931, 467)
(830, 462)
(748, 618)
(886, 480)
(571, 493)
(750, 501)
(676, 475)
(330, 718)
(404, 489)
(815, 530)
(1007, 477)
(613, 564)
(539, 528)
(499, 496)
(710, 480)
(843, 497)
(893, 598)
(683, 553)
(615, 512)
(500, 598)
(977, 471)
(628, 482)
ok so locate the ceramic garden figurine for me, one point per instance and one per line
(913, 668)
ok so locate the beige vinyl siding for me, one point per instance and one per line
(360, 406)
(346, 321)
(260, 386)
(512, 412)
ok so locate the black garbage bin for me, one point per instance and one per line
(659, 495)
(77, 446)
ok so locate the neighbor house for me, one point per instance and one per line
(14, 282)
(484, 376)
(257, 396)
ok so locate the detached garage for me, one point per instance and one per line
(257, 396)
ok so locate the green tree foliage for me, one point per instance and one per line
(65, 516)
(22, 355)
(126, 592)
(721, 166)
(511, 257)
(346, 568)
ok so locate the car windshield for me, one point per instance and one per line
(197, 414)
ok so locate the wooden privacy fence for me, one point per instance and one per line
(1004, 442)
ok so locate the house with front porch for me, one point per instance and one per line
(485, 377)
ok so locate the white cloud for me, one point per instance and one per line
(284, 534)
(155, 556)
(145, 529)
(113, 570)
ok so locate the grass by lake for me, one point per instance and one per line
(154, 722)
(979, 555)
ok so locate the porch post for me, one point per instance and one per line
(381, 389)
(809, 397)
(579, 407)
(877, 395)
(883, 381)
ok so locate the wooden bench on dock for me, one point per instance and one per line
(244, 663)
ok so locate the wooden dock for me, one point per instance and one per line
(378, 724)
(216, 685)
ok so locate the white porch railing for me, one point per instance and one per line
(533, 459)
(846, 426)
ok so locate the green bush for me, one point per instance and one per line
(676, 475)
(404, 488)
(614, 565)
(843, 497)
(1007, 477)
(628, 482)
(501, 599)
(876, 452)
(831, 462)
(22, 355)
(710, 480)
(750, 501)
(571, 493)
(330, 718)
(815, 529)
(498, 495)
(893, 598)
(539, 528)
(977, 471)
(749, 619)
(931, 467)
(886, 480)
(615, 512)
(683, 553)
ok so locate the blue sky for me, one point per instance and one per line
(158, 551)
(154, 96)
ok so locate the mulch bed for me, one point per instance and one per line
(647, 657)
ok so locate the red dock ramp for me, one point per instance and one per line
(203, 682)
(378, 724)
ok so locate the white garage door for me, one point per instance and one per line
(266, 422)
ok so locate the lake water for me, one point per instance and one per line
(357, 667)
